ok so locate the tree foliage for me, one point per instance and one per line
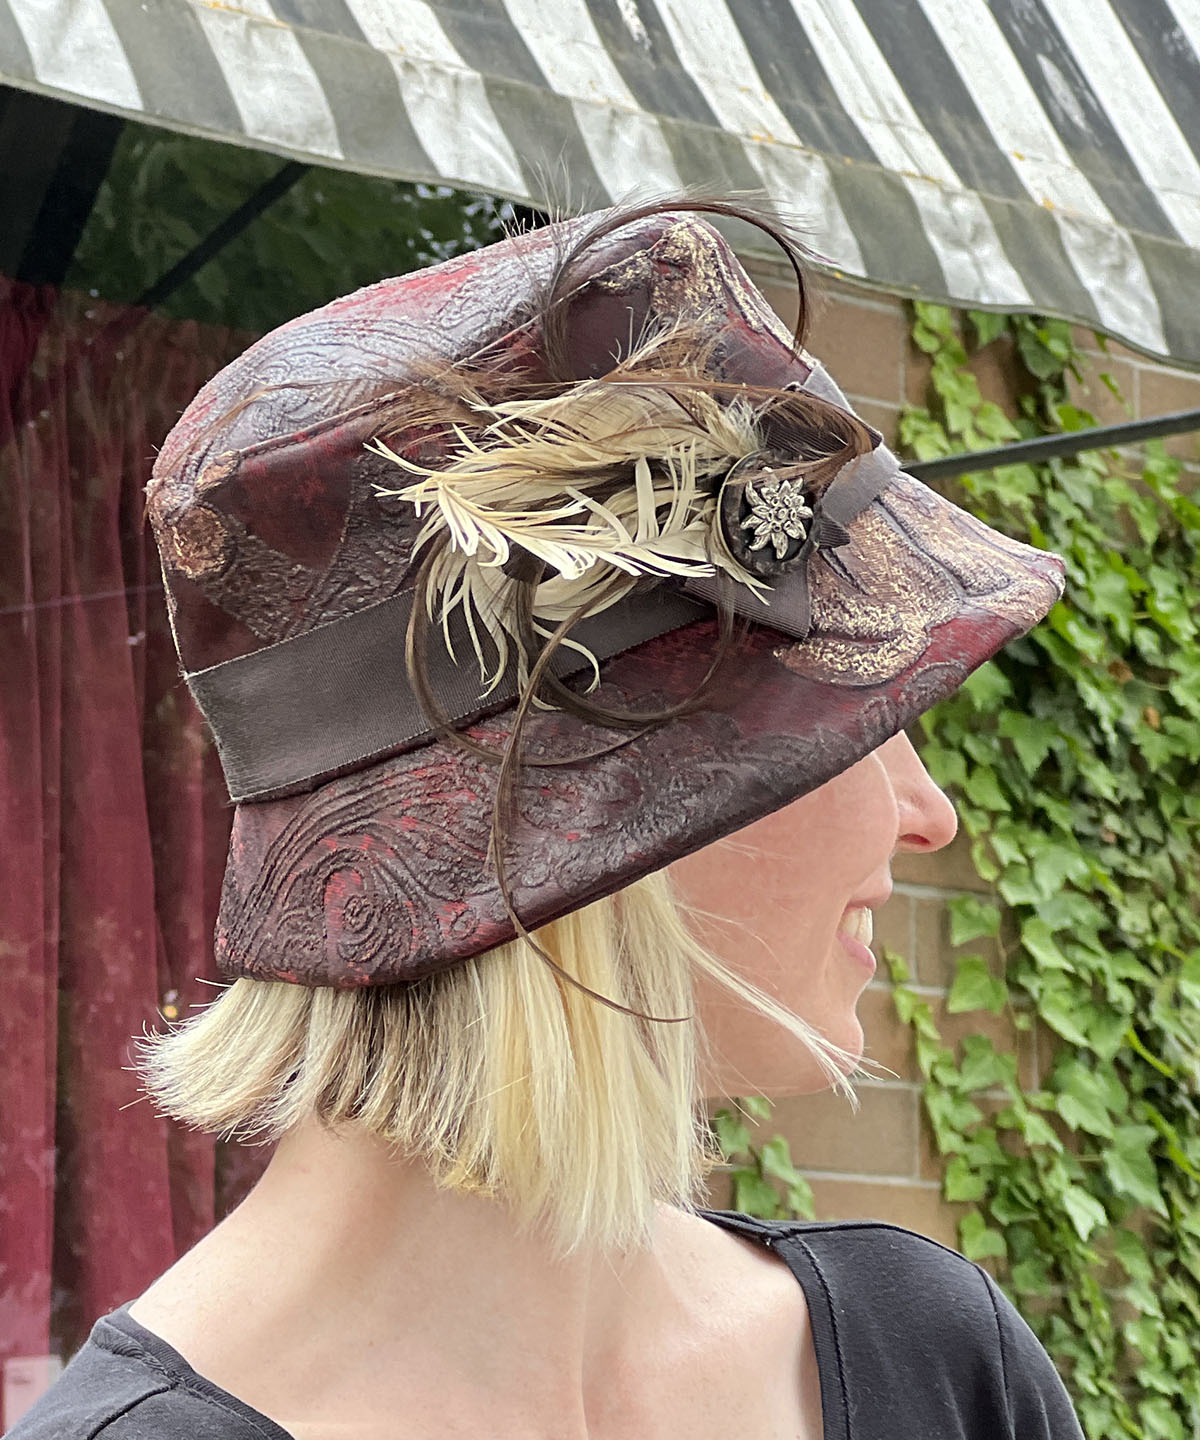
(333, 232)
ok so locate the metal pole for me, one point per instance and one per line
(1049, 447)
(233, 225)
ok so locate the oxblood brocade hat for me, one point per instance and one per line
(288, 504)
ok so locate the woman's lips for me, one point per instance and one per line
(856, 930)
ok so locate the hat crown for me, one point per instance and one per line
(264, 498)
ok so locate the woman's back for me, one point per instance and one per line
(857, 1330)
(317, 1312)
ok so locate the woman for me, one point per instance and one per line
(601, 834)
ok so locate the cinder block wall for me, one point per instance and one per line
(879, 1163)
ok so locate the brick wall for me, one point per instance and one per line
(880, 1163)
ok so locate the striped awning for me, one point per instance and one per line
(1018, 154)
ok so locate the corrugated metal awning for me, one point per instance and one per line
(1018, 154)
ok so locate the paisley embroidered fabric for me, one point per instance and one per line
(913, 1342)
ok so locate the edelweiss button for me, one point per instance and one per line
(766, 520)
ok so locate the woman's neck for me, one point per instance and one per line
(346, 1258)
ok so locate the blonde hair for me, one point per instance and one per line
(500, 1077)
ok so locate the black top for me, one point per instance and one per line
(913, 1342)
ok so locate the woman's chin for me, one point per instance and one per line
(795, 1073)
(849, 1043)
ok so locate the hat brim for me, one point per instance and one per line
(384, 875)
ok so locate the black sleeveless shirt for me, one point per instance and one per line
(913, 1342)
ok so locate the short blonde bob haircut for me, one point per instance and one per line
(504, 1080)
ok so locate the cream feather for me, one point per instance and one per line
(524, 479)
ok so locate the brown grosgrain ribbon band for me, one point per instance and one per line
(337, 697)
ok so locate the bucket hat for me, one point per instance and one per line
(606, 418)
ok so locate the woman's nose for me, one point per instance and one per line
(927, 821)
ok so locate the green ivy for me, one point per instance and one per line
(762, 1179)
(1073, 758)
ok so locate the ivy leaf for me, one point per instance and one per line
(1036, 1130)
(976, 988)
(972, 918)
(1060, 1011)
(1031, 738)
(983, 789)
(1085, 1115)
(983, 1066)
(934, 327)
(1055, 864)
(978, 1240)
(1031, 1277)
(1041, 943)
(799, 1200)
(732, 1132)
(994, 425)
(1084, 1110)
(1085, 1211)
(1011, 1210)
(777, 1162)
(1037, 357)
(988, 687)
(1159, 1419)
(961, 1182)
(933, 1057)
(1129, 1165)
(1013, 485)
(1111, 597)
(753, 1195)
(922, 436)
(1156, 749)
(1069, 910)
(988, 325)
(907, 1003)
(950, 1115)
(755, 1106)
(985, 866)
(1008, 842)
(1017, 888)
(947, 765)
(1131, 1252)
(1106, 1031)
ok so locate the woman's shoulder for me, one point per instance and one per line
(896, 1313)
(126, 1384)
(874, 1273)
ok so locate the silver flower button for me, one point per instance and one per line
(777, 515)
